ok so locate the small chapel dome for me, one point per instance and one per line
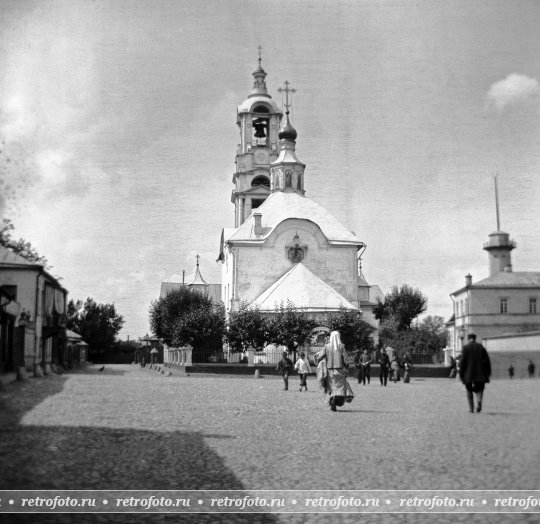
(287, 132)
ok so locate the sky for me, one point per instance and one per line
(118, 133)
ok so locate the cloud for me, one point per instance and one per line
(514, 89)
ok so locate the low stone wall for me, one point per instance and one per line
(244, 369)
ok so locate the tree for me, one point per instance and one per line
(432, 334)
(354, 332)
(289, 326)
(20, 247)
(165, 312)
(403, 304)
(201, 327)
(98, 324)
(427, 336)
(246, 327)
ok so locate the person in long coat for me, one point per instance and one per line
(337, 362)
(474, 371)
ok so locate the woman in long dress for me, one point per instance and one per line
(337, 362)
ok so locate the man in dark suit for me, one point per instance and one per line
(474, 371)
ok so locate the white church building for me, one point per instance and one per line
(284, 246)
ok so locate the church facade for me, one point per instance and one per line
(284, 247)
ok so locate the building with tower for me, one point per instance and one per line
(503, 308)
(284, 246)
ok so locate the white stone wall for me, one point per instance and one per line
(516, 343)
(259, 266)
(481, 314)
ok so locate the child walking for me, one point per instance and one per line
(302, 366)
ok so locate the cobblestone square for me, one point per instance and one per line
(133, 428)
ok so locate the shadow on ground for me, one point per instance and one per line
(66, 457)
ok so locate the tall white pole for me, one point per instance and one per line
(497, 203)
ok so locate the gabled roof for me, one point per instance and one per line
(304, 289)
(280, 206)
(506, 279)
(7, 256)
(510, 279)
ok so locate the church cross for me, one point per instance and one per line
(197, 257)
(260, 49)
(287, 90)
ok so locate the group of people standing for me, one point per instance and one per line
(389, 368)
(333, 362)
(332, 371)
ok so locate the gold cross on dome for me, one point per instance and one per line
(287, 90)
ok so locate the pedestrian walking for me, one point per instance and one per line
(474, 371)
(511, 371)
(285, 366)
(337, 362)
(322, 370)
(407, 368)
(384, 366)
(453, 368)
(394, 366)
(407, 371)
(364, 367)
(303, 369)
(530, 369)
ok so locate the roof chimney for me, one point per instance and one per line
(258, 224)
(468, 280)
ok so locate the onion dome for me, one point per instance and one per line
(287, 132)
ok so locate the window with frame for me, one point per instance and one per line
(532, 305)
(503, 306)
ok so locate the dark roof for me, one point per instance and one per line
(507, 279)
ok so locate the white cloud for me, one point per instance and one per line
(512, 90)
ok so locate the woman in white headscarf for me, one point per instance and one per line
(337, 362)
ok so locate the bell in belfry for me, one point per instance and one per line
(259, 126)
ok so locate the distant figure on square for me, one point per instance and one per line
(302, 366)
(511, 371)
(285, 366)
(337, 362)
(530, 369)
(407, 371)
(384, 366)
(474, 371)
(394, 366)
(453, 368)
(364, 367)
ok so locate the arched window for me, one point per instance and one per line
(260, 181)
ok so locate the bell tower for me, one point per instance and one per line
(258, 119)
(287, 172)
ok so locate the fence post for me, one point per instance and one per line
(251, 356)
(188, 355)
